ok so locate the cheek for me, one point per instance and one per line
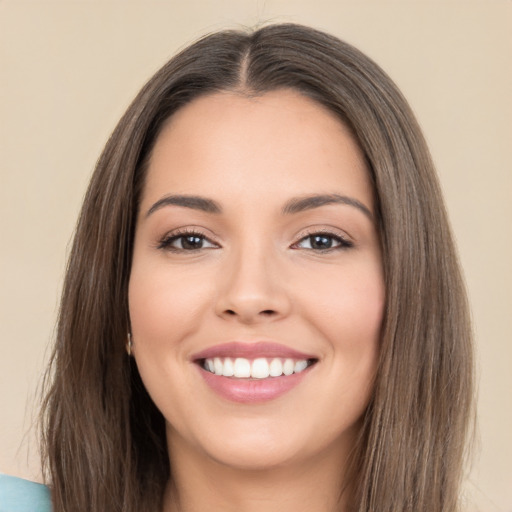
(349, 301)
(165, 304)
(166, 307)
(347, 310)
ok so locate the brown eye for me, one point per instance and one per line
(189, 242)
(323, 242)
(186, 242)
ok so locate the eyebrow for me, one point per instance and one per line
(194, 202)
(294, 205)
(301, 204)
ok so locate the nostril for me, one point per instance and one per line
(266, 312)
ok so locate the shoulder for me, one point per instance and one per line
(18, 495)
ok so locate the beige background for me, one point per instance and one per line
(68, 70)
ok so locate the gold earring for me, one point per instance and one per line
(129, 345)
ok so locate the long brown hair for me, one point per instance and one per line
(104, 447)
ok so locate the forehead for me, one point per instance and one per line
(228, 143)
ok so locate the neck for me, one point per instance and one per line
(201, 483)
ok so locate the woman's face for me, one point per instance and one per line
(256, 253)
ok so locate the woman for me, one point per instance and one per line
(263, 307)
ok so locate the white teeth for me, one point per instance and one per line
(259, 368)
(300, 366)
(288, 366)
(242, 368)
(217, 366)
(228, 370)
(276, 368)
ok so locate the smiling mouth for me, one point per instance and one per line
(255, 369)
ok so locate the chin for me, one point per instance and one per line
(258, 457)
(244, 445)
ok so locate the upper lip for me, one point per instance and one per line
(251, 351)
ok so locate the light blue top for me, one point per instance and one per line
(18, 495)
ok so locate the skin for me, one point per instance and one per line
(257, 277)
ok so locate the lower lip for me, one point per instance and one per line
(252, 390)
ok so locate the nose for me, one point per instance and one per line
(252, 289)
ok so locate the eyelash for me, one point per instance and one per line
(166, 242)
(337, 238)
